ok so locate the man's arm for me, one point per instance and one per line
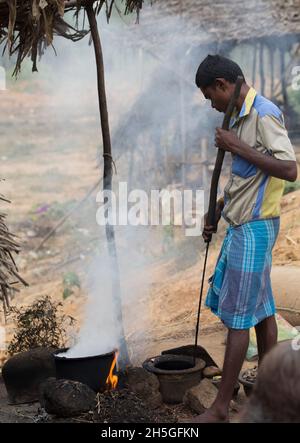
(284, 169)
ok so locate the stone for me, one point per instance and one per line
(211, 371)
(66, 398)
(201, 397)
(217, 382)
(24, 372)
(145, 385)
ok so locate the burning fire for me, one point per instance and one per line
(112, 379)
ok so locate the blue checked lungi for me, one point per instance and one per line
(240, 290)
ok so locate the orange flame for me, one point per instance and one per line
(112, 379)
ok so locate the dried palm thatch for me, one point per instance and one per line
(206, 22)
(9, 276)
(28, 26)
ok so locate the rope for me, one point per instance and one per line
(112, 160)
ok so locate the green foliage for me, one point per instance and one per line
(70, 279)
(67, 292)
(291, 187)
(39, 325)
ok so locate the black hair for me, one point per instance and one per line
(217, 66)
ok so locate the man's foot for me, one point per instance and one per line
(209, 416)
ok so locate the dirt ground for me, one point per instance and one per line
(47, 162)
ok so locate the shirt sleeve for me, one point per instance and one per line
(275, 138)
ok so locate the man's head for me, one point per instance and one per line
(276, 393)
(216, 77)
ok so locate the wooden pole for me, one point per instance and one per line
(283, 78)
(182, 118)
(182, 134)
(107, 179)
(272, 68)
(254, 64)
(261, 68)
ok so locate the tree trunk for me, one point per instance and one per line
(107, 181)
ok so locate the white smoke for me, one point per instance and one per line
(153, 87)
(100, 330)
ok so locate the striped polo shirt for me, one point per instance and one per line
(250, 193)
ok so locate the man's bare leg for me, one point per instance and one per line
(266, 336)
(236, 349)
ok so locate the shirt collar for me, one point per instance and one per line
(246, 108)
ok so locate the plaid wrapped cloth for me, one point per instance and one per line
(240, 290)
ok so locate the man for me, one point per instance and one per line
(263, 158)
(276, 393)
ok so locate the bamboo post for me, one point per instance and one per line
(131, 168)
(182, 134)
(283, 77)
(254, 64)
(261, 68)
(141, 68)
(107, 178)
(182, 116)
(272, 68)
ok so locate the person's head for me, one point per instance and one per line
(276, 393)
(216, 77)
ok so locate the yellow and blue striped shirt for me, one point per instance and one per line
(251, 194)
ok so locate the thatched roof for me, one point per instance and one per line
(28, 26)
(206, 21)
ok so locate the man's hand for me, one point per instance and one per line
(226, 140)
(284, 169)
(208, 230)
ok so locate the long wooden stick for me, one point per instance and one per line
(107, 180)
(220, 156)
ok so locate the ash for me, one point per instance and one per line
(124, 406)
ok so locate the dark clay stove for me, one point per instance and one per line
(178, 371)
(24, 373)
(92, 371)
(176, 374)
(175, 369)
